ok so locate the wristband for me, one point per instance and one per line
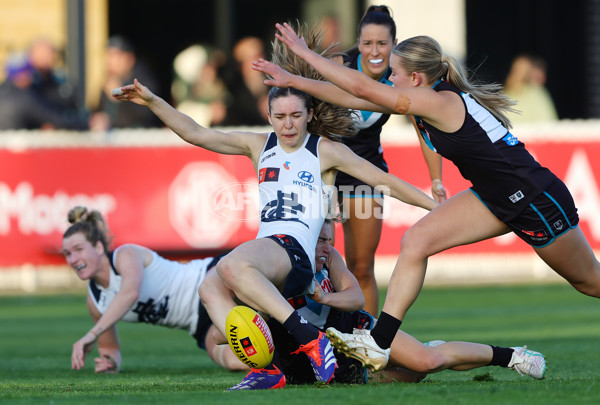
(93, 333)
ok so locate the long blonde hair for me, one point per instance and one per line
(424, 54)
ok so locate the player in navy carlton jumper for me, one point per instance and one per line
(362, 231)
(465, 123)
(135, 284)
(292, 212)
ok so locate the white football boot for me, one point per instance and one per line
(528, 362)
(361, 346)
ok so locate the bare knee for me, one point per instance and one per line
(229, 360)
(431, 362)
(414, 245)
(205, 292)
(212, 289)
(226, 270)
(363, 270)
(588, 288)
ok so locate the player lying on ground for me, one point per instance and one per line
(134, 284)
(337, 302)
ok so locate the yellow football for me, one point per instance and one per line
(249, 337)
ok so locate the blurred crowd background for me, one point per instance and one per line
(61, 58)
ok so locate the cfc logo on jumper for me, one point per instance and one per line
(516, 196)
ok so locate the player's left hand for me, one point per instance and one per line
(319, 294)
(438, 191)
(106, 365)
(136, 93)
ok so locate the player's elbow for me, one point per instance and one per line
(131, 295)
(360, 302)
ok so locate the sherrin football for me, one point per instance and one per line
(249, 337)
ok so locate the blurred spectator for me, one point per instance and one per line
(526, 84)
(122, 66)
(332, 32)
(23, 108)
(249, 104)
(51, 84)
(197, 90)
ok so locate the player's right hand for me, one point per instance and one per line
(80, 349)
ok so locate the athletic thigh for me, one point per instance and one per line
(460, 220)
(572, 257)
(264, 255)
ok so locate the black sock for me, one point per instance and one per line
(303, 331)
(385, 330)
(501, 356)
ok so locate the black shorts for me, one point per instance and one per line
(550, 215)
(204, 323)
(351, 187)
(297, 367)
(204, 320)
(300, 279)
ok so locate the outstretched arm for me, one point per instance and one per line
(350, 80)
(108, 346)
(130, 265)
(230, 143)
(320, 89)
(335, 155)
(442, 110)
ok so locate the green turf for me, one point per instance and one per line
(164, 366)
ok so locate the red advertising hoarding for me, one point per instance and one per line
(186, 199)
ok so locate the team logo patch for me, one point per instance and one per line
(516, 196)
(283, 239)
(268, 174)
(248, 346)
(306, 176)
(510, 139)
(538, 235)
(558, 225)
(297, 302)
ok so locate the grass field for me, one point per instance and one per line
(164, 366)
